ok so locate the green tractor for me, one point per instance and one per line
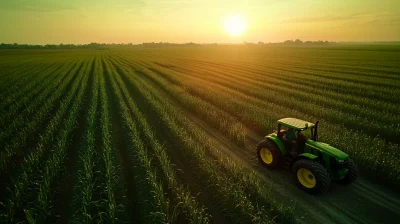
(314, 163)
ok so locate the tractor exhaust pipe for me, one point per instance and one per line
(316, 131)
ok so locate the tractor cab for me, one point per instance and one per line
(295, 146)
(290, 133)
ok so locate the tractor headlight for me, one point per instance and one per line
(340, 164)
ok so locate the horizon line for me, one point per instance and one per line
(206, 43)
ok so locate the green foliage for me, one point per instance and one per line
(181, 113)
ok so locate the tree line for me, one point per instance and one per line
(159, 44)
(91, 45)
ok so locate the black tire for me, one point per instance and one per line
(268, 146)
(318, 181)
(352, 174)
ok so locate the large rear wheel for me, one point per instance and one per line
(311, 176)
(269, 154)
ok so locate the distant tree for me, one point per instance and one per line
(191, 44)
(297, 41)
(288, 42)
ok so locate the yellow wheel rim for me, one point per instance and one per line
(266, 156)
(306, 178)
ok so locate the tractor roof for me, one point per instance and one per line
(295, 123)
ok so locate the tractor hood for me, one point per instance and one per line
(332, 151)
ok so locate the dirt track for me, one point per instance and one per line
(360, 202)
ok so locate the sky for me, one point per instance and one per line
(200, 21)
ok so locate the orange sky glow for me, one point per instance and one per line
(200, 21)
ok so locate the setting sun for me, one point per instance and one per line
(235, 25)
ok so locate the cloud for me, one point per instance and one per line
(371, 21)
(381, 19)
(38, 6)
(352, 20)
(327, 18)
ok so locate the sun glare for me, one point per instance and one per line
(235, 25)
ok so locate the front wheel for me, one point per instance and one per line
(269, 154)
(352, 173)
(311, 176)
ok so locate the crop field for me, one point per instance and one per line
(169, 135)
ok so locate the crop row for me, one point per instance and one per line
(38, 210)
(263, 74)
(25, 104)
(22, 73)
(38, 116)
(26, 83)
(86, 179)
(338, 99)
(181, 202)
(343, 72)
(310, 79)
(221, 173)
(23, 177)
(373, 155)
(106, 151)
(371, 122)
(147, 129)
